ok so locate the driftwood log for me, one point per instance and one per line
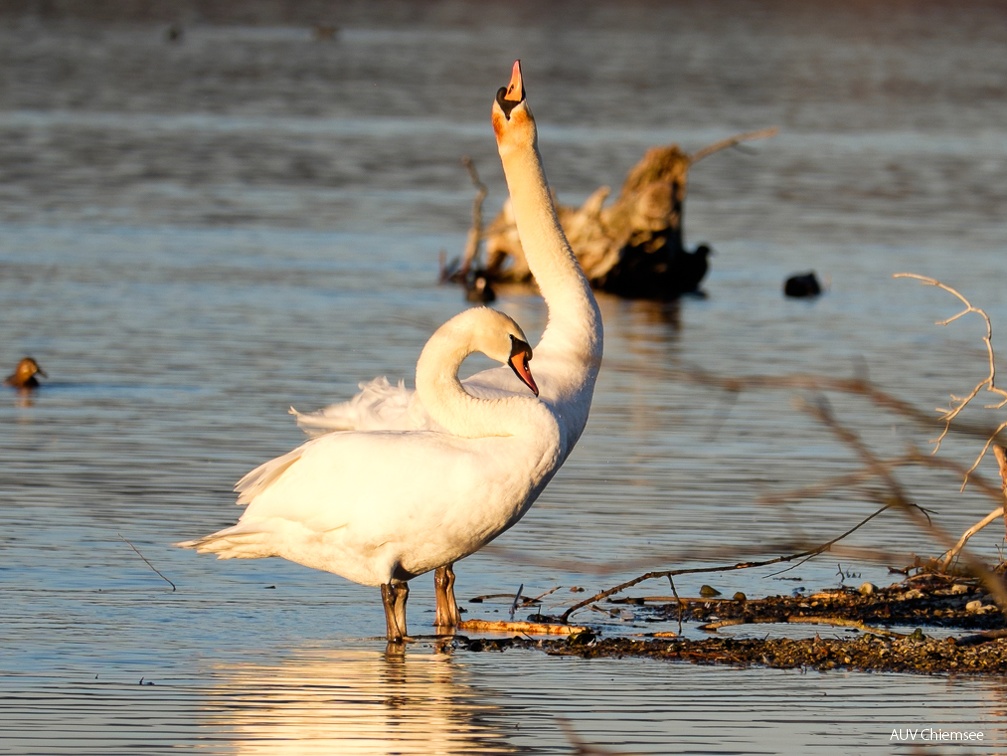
(632, 247)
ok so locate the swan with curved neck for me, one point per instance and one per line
(380, 508)
(568, 355)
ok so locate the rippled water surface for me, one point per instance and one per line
(196, 235)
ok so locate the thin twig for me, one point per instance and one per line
(681, 604)
(733, 141)
(516, 601)
(538, 598)
(476, 231)
(147, 561)
(720, 568)
(996, 514)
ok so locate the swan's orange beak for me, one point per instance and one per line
(519, 357)
(508, 98)
(515, 90)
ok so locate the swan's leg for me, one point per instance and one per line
(394, 596)
(447, 615)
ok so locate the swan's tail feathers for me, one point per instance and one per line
(230, 543)
(320, 422)
(378, 406)
(259, 479)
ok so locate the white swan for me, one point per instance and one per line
(567, 357)
(381, 507)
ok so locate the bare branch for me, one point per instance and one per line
(721, 568)
(733, 141)
(476, 231)
(953, 552)
(989, 383)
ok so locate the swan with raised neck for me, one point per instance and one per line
(570, 350)
(569, 353)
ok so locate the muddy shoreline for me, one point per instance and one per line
(930, 624)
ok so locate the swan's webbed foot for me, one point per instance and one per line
(447, 615)
(394, 596)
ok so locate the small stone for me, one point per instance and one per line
(867, 589)
(915, 593)
(974, 606)
(958, 588)
(739, 596)
(708, 591)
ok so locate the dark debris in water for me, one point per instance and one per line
(872, 653)
(928, 601)
(925, 600)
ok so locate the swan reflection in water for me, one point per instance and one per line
(353, 701)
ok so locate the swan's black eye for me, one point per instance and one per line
(519, 347)
(505, 105)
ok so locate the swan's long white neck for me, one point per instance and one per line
(455, 410)
(571, 344)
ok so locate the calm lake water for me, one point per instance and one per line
(196, 235)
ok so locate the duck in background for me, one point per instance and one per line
(802, 285)
(24, 374)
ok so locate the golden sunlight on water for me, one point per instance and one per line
(352, 701)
